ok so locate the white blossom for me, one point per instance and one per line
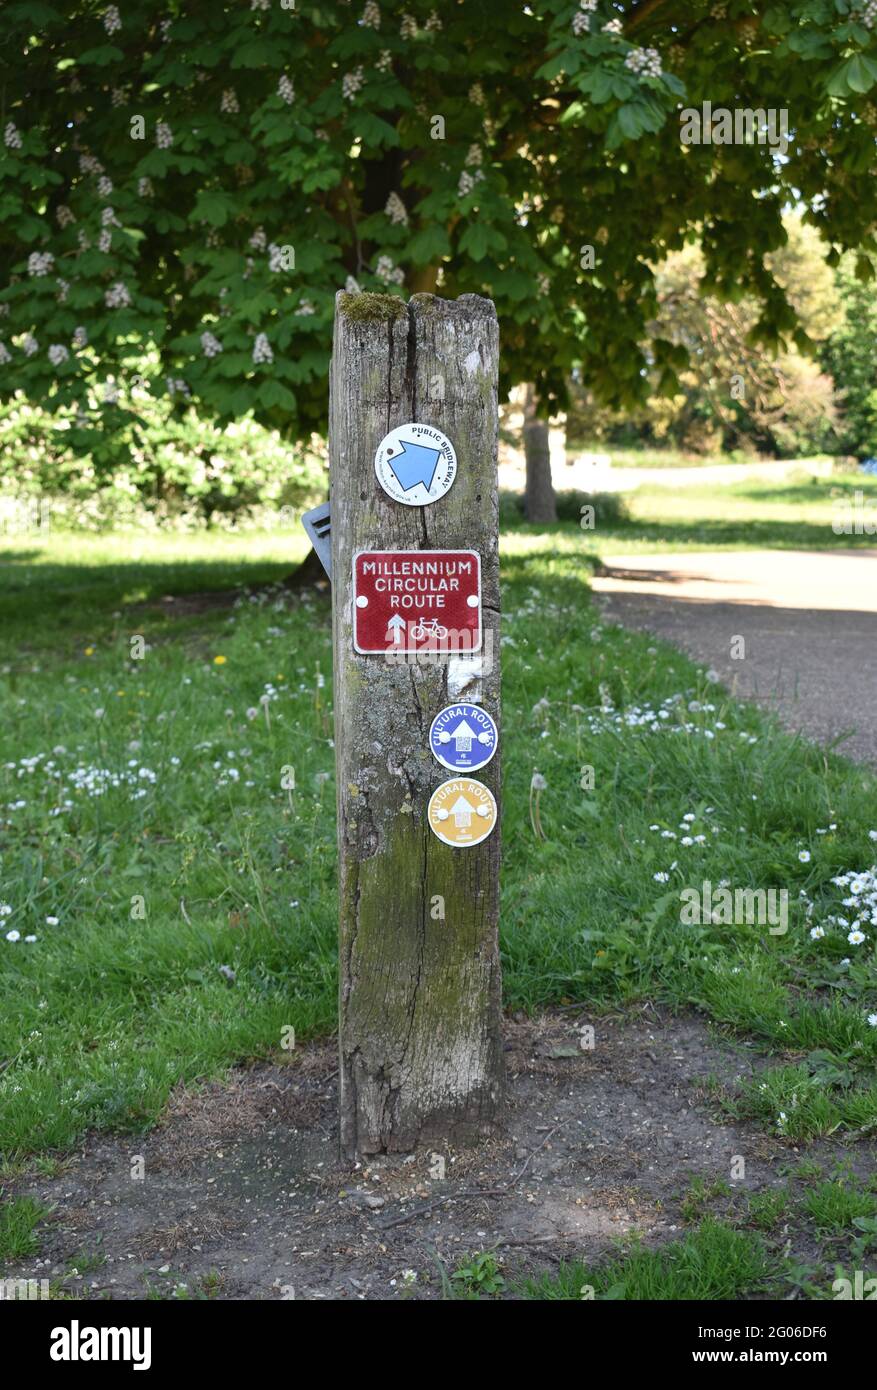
(63, 287)
(105, 241)
(58, 354)
(390, 274)
(371, 16)
(104, 186)
(408, 27)
(210, 346)
(229, 105)
(40, 263)
(304, 309)
(5, 354)
(614, 26)
(144, 188)
(262, 349)
(29, 344)
(396, 211)
(112, 19)
(117, 97)
(468, 182)
(80, 337)
(351, 83)
(11, 136)
(164, 136)
(108, 218)
(433, 25)
(117, 296)
(645, 62)
(64, 215)
(476, 94)
(285, 90)
(89, 165)
(258, 240)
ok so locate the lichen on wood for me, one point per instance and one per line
(419, 995)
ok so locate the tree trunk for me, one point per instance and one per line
(419, 990)
(539, 500)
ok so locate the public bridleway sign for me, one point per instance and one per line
(416, 600)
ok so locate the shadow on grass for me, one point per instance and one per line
(48, 596)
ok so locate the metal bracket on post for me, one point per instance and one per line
(317, 523)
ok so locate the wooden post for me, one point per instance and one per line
(419, 991)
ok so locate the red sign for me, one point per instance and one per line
(416, 600)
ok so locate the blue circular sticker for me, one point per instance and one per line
(463, 737)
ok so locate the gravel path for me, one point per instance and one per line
(808, 619)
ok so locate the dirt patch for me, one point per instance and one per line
(242, 1189)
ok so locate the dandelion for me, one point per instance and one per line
(220, 660)
(538, 785)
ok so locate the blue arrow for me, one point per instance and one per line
(415, 464)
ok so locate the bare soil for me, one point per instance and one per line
(243, 1193)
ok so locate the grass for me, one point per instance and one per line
(715, 1261)
(799, 513)
(19, 1219)
(148, 843)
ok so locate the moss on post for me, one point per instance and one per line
(419, 994)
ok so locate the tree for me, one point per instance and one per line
(201, 178)
(849, 356)
(732, 391)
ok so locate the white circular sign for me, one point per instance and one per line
(415, 464)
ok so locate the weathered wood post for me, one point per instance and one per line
(419, 996)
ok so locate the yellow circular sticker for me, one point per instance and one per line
(462, 812)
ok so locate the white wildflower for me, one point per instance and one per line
(58, 354)
(229, 105)
(112, 19)
(164, 136)
(351, 83)
(396, 211)
(117, 296)
(11, 137)
(285, 90)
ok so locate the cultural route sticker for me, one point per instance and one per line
(463, 737)
(416, 601)
(415, 464)
(462, 812)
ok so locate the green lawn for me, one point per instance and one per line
(148, 846)
(797, 514)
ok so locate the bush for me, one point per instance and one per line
(166, 467)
